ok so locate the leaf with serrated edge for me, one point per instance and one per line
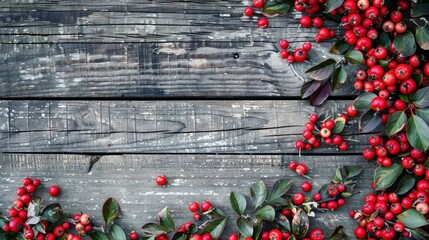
(258, 193)
(386, 176)
(418, 133)
(238, 202)
(322, 70)
(412, 218)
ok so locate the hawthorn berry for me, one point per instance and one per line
(263, 22)
(298, 198)
(161, 180)
(134, 236)
(54, 191)
(248, 11)
(194, 207)
(306, 186)
(206, 206)
(301, 169)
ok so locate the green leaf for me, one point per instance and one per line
(340, 123)
(396, 122)
(385, 40)
(257, 229)
(422, 37)
(406, 184)
(310, 87)
(338, 176)
(40, 228)
(280, 8)
(352, 171)
(165, 220)
(117, 233)
(424, 114)
(216, 213)
(418, 133)
(258, 193)
(245, 227)
(333, 4)
(52, 212)
(420, 9)
(354, 57)
(324, 191)
(338, 78)
(215, 227)
(279, 189)
(419, 234)
(383, 63)
(99, 236)
(340, 47)
(111, 210)
(192, 228)
(238, 202)
(153, 229)
(279, 201)
(418, 77)
(421, 98)
(412, 218)
(363, 101)
(369, 121)
(179, 236)
(386, 176)
(300, 224)
(34, 207)
(282, 221)
(322, 70)
(405, 43)
(338, 234)
(266, 213)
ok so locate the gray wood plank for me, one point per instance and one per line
(161, 126)
(130, 179)
(174, 69)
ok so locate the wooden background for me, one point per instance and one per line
(100, 97)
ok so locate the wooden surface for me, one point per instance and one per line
(189, 89)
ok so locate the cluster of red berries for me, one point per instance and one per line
(298, 55)
(313, 6)
(276, 234)
(194, 207)
(383, 149)
(83, 223)
(378, 216)
(299, 168)
(316, 130)
(249, 11)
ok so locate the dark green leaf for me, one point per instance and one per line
(280, 8)
(340, 123)
(340, 47)
(406, 184)
(217, 213)
(148, 238)
(309, 88)
(192, 228)
(424, 114)
(324, 191)
(338, 176)
(412, 218)
(292, 237)
(338, 234)
(369, 121)
(279, 189)
(396, 122)
(352, 171)
(418, 133)
(165, 220)
(338, 78)
(238, 202)
(420, 9)
(34, 207)
(385, 40)
(153, 229)
(53, 212)
(179, 236)
(322, 70)
(279, 201)
(421, 98)
(333, 4)
(99, 236)
(418, 77)
(422, 37)
(321, 94)
(354, 57)
(386, 176)
(266, 213)
(245, 227)
(258, 193)
(405, 43)
(383, 63)
(419, 234)
(215, 227)
(363, 102)
(300, 224)
(283, 222)
(117, 233)
(257, 229)
(40, 228)
(111, 210)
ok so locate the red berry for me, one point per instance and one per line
(306, 186)
(378, 104)
(360, 232)
(194, 207)
(134, 236)
(313, 118)
(205, 206)
(301, 169)
(161, 180)
(323, 33)
(318, 22)
(21, 191)
(54, 191)
(263, 22)
(305, 21)
(300, 55)
(284, 44)
(248, 11)
(307, 46)
(197, 216)
(36, 182)
(258, 3)
(298, 198)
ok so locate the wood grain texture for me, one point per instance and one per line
(144, 70)
(130, 179)
(160, 126)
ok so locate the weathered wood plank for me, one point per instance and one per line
(198, 69)
(159, 126)
(130, 179)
